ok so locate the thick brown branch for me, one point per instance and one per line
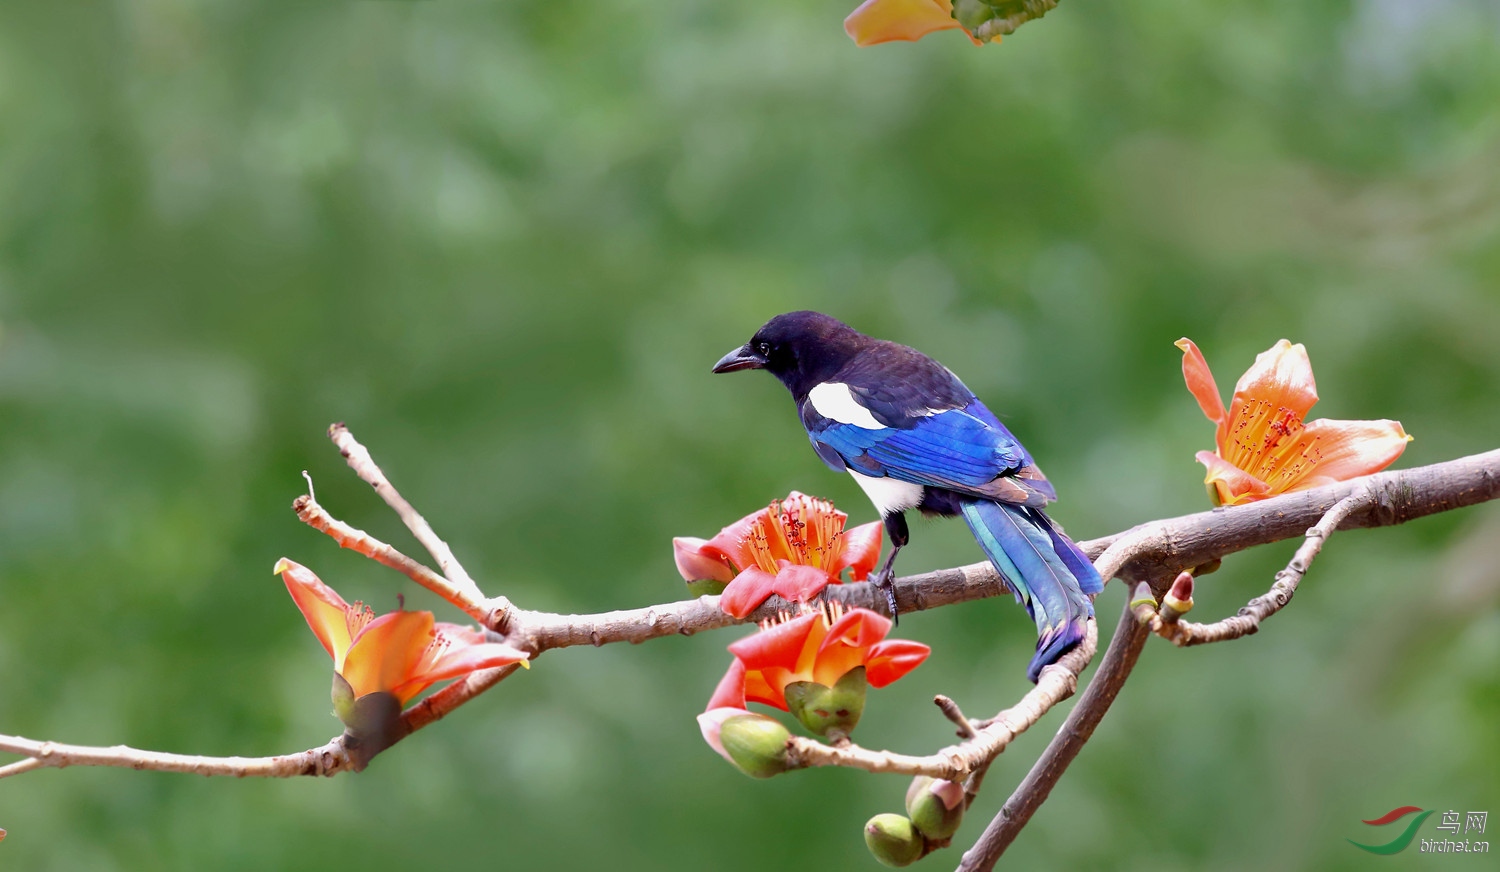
(1247, 621)
(1119, 659)
(1171, 545)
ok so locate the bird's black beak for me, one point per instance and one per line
(740, 358)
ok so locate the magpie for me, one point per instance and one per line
(914, 437)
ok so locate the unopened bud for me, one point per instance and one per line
(1143, 603)
(755, 744)
(936, 807)
(1179, 599)
(824, 709)
(893, 840)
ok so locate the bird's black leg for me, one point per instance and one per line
(895, 527)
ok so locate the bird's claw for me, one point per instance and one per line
(886, 584)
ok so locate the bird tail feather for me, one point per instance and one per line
(1046, 571)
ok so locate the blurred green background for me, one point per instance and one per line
(505, 242)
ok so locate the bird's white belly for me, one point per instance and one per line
(888, 494)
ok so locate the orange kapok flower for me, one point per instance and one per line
(795, 664)
(1264, 448)
(878, 21)
(794, 547)
(400, 653)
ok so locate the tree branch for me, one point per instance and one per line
(1247, 620)
(1119, 660)
(363, 464)
(330, 759)
(1153, 552)
(956, 762)
(1159, 550)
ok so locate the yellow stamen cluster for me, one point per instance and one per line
(830, 610)
(1267, 443)
(357, 616)
(806, 531)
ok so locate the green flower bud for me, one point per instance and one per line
(893, 840)
(755, 744)
(823, 709)
(936, 807)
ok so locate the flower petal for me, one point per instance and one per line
(798, 583)
(387, 652)
(1233, 485)
(848, 644)
(326, 612)
(859, 628)
(892, 659)
(861, 550)
(768, 686)
(1201, 384)
(697, 562)
(457, 651)
(1282, 376)
(778, 645)
(731, 689)
(1348, 449)
(748, 590)
(731, 543)
(878, 21)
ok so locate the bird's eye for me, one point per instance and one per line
(764, 348)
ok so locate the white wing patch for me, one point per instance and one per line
(888, 494)
(834, 401)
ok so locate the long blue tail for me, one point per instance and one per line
(1047, 572)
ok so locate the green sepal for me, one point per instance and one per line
(706, 587)
(987, 19)
(823, 709)
(372, 722)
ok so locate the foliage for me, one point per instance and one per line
(507, 241)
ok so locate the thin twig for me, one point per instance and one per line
(357, 540)
(955, 762)
(1247, 621)
(952, 712)
(330, 759)
(20, 766)
(440, 704)
(363, 464)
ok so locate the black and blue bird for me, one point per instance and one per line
(914, 437)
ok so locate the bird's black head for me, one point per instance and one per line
(799, 348)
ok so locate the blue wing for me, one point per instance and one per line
(965, 450)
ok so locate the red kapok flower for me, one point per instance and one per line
(1264, 448)
(790, 663)
(400, 653)
(795, 547)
